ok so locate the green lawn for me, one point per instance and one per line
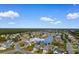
(77, 32)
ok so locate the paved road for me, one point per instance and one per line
(69, 48)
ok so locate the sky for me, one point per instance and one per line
(39, 16)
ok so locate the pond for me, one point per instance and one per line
(49, 39)
(46, 41)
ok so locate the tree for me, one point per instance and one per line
(22, 44)
(2, 39)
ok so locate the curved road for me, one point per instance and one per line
(17, 48)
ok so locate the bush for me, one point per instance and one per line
(40, 51)
(50, 52)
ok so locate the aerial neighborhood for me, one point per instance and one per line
(39, 42)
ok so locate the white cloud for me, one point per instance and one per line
(0, 18)
(9, 14)
(50, 20)
(73, 15)
(11, 23)
(46, 19)
(57, 22)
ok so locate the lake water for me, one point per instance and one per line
(46, 41)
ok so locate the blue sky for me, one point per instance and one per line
(39, 16)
